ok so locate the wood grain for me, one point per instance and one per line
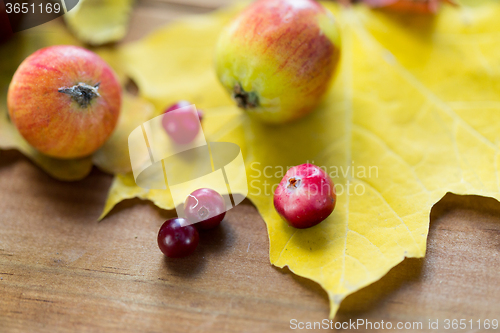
(61, 268)
(62, 271)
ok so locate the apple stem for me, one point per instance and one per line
(82, 93)
(293, 183)
(245, 100)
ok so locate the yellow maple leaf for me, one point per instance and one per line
(413, 114)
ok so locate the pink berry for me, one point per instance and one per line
(177, 239)
(181, 126)
(182, 104)
(205, 206)
(305, 196)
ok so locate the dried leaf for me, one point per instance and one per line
(98, 22)
(413, 114)
(188, 45)
(113, 157)
(217, 121)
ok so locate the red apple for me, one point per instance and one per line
(65, 101)
(277, 57)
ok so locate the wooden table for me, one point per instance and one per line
(61, 270)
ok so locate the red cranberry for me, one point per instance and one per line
(305, 196)
(177, 239)
(205, 206)
(182, 104)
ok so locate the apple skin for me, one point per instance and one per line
(54, 122)
(277, 58)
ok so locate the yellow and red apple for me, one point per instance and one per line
(277, 58)
(65, 101)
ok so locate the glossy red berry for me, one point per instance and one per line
(182, 104)
(177, 239)
(181, 126)
(205, 207)
(305, 196)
